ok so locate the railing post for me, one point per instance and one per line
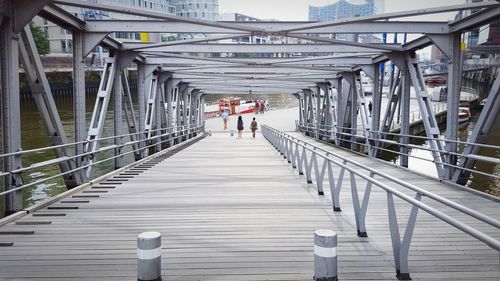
(334, 191)
(404, 273)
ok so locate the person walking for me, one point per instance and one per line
(370, 107)
(262, 107)
(253, 127)
(240, 126)
(225, 118)
(257, 107)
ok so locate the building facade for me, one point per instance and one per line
(343, 9)
(61, 40)
(199, 9)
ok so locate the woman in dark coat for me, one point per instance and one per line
(240, 126)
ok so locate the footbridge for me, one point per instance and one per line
(246, 209)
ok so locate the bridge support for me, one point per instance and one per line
(11, 119)
(405, 117)
(42, 94)
(376, 109)
(141, 82)
(79, 100)
(489, 115)
(453, 102)
(130, 116)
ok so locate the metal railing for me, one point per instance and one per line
(378, 141)
(163, 136)
(307, 158)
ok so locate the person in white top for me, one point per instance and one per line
(225, 117)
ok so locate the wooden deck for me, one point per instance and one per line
(232, 209)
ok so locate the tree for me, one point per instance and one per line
(41, 39)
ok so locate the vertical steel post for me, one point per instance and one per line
(453, 102)
(11, 119)
(168, 99)
(141, 99)
(45, 103)
(118, 111)
(376, 109)
(317, 92)
(79, 108)
(405, 121)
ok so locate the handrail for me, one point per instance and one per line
(404, 135)
(285, 144)
(449, 203)
(197, 127)
(485, 158)
(40, 149)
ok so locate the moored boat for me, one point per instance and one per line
(463, 114)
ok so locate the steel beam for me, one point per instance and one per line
(99, 113)
(255, 48)
(453, 102)
(429, 119)
(376, 108)
(488, 117)
(156, 26)
(11, 124)
(141, 80)
(79, 103)
(405, 117)
(129, 111)
(46, 105)
(118, 112)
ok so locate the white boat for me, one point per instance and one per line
(463, 114)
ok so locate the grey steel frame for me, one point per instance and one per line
(191, 77)
(325, 133)
(305, 156)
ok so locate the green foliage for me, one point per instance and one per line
(41, 39)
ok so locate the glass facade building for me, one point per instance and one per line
(343, 9)
(200, 9)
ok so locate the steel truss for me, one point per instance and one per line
(172, 80)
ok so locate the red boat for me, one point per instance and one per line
(232, 105)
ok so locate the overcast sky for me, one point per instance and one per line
(298, 9)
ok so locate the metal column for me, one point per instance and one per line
(489, 115)
(376, 109)
(100, 110)
(118, 112)
(45, 103)
(11, 119)
(453, 102)
(79, 108)
(429, 119)
(405, 121)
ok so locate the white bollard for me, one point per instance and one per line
(149, 256)
(325, 255)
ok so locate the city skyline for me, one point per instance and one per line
(298, 10)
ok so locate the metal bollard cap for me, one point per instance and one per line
(149, 235)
